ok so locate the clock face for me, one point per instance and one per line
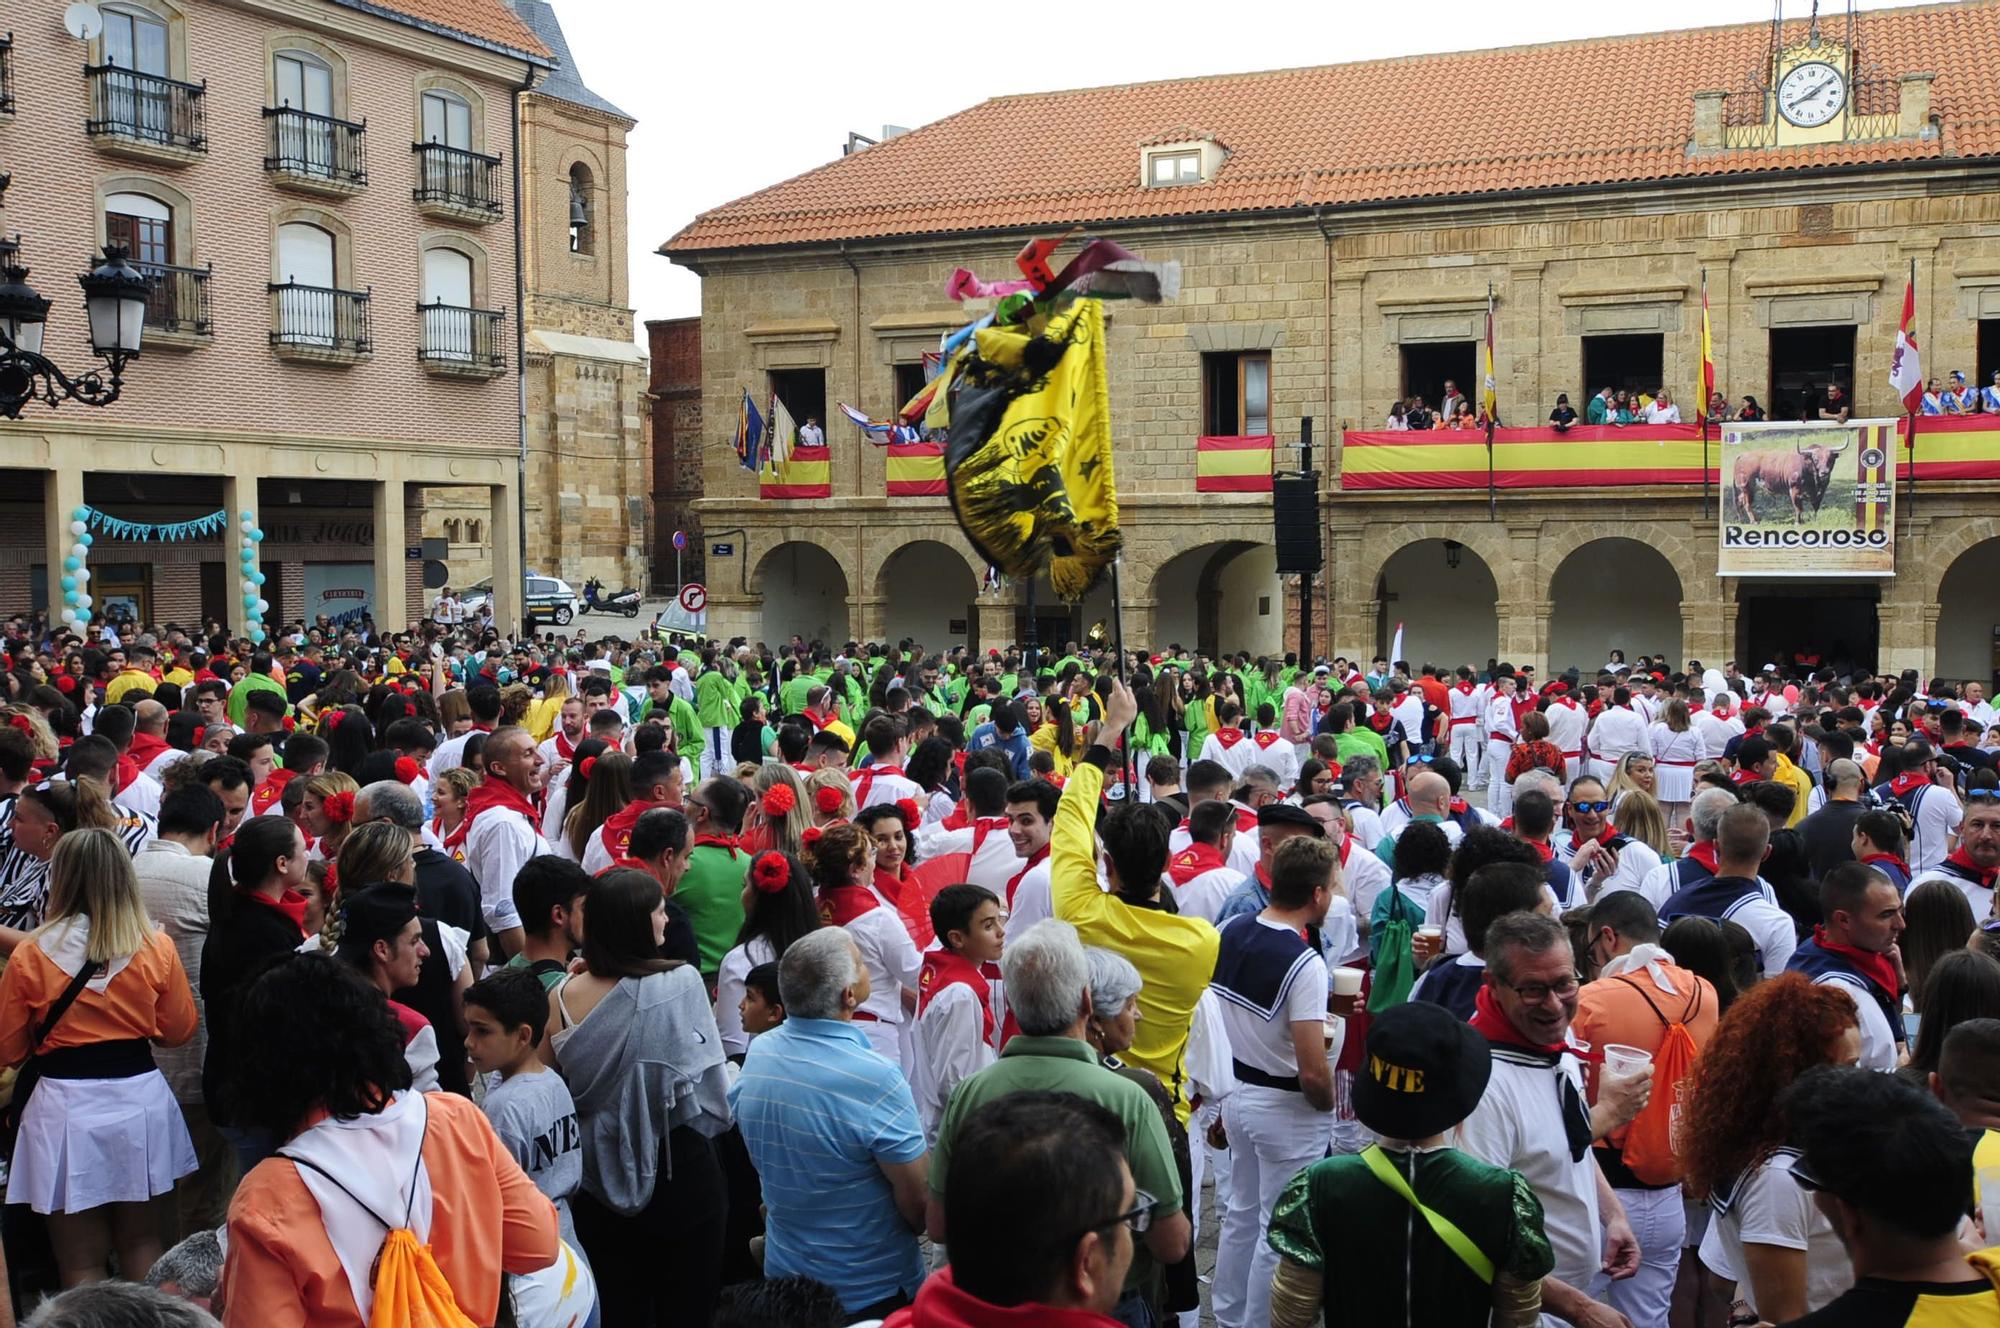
(1812, 94)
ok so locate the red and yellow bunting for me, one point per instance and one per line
(915, 470)
(808, 474)
(1233, 465)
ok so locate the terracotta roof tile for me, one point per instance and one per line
(490, 21)
(1568, 114)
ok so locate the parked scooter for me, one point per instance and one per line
(596, 601)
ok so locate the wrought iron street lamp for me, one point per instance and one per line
(114, 298)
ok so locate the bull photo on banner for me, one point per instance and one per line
(1808, 499)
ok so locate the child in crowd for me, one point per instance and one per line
(958, 1010)
(761, 1008)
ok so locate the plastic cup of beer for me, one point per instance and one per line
(1347, 981)
(1623, 1062)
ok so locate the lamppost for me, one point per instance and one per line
(114, 297)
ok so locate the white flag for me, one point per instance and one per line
(1396, 646)
(783, 434)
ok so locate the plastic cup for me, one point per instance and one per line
(1346, 981)
(1623, 1062)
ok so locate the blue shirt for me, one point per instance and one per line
(1016, 747)
(818, 1108)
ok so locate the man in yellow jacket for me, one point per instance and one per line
(1175, 955)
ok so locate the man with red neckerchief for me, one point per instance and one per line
(1031, 810)
(1855, 949)
(1935, 814)
(1974, 864)
(500, 830)
(883, 780)
(1465, 706)
(712, 889)
(1200, 874)
(1229, 746)
(959, 1011)
(1208, 781)
(1272, 749)
(983, 833)
(656, 782)
(570, 722)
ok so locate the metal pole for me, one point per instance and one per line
(1306, 578)
(1028, 663)
(1118, 644)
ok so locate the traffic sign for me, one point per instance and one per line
(680, 539)
(694, 597)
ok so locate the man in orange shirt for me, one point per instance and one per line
(1639, 991)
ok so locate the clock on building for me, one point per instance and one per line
(1812, 93)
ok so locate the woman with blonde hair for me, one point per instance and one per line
(543, 714)
(448, 794)
(779, 812)
(1638, 816)
(101, 1139)
(325, 810)
(1634, 773)
(514, 702)
(35, 725)
(43, 814)
(1677, 750)
(455, 713)
(831, 796)
(606, 789)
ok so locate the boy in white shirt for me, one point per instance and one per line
(959, 1012)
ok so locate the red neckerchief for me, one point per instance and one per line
(1492, 1023)
(1193, 861)
(1459, 807)
(865, 780)
(564, 747)
(617, 829)
(842, 904)
(1984, 875)
(1704, 852)
(946, 968)
(1381, 723)
(1465, 689)
(494, 794)
(145, 748)
(266, 794)
(1547, 852)
(291, 903)
(1874, 858)
(1745, 776)
(1263, 878)
(627, 864)
(1039, 856)
(1604, 836)
(1265, 739)
(983, 826)
(127, 772)
(1229, 737)
(816, 720)
(1908, 780)
(717, 841)
(1875, 967)
(958, 818)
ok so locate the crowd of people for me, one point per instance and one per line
(353, 979)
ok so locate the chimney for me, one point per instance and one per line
(1913, 105)
(1708, 121)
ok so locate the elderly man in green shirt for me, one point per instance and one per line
(1047, 979)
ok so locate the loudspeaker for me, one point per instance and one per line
(1295, 518)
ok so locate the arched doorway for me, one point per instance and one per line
(927, 595)
(805, 594)
(1837, 620)
(1613, 594)
(1446, 598)
(1968, 630)
(1220, 597)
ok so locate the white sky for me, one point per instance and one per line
(735, 96)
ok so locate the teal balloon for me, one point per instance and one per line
(249, 555)
(249, 515)
(82, 616)
(257, 536)
(257, 635)
(69, 583)
(86, 539)
(69, 597)
(256, 578)
(80, 514)
(71, 563)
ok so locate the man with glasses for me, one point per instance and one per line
(1933, 810)
(1599, 857)
(211, 703)
(1047, 975)
(1532, 1118)
(1973, 865)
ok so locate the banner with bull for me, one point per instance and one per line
(1809, 499)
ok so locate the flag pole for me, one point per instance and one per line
(1910, 420)
(1486, 390)
(1118, 644)
(1707, 394)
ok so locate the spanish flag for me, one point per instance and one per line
(915, 470)
(806, 473)
(1707, 354)
(1233, 465)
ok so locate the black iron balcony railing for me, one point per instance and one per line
(315, 146)
(7, 74)
(147, 108)
(453, 335)
(457, 177)
(319, 318)
(179, 299)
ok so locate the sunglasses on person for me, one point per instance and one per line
(1534, 993)
(1588, 807)
(1981, 795)
(1420, 759)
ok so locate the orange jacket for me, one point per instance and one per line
(149, 998)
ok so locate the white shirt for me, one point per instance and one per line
(143, 795)
(1034, 899)
(735, 967)
(890, 955)
(1773, 1209)
(1567, 721)
(1500, 724)
(1266, 1043)
(1669, 746)
(1235, 757)
(450, 755)
(1202, 896)
(1365, 876)
(1667, 414)
(500, 842)
(1617, 731)
(1243, 853)
(1937, 814)
(811, 435)
(1977, 895)
(871, 789)
(1636, 863)
(1367, 823)
(1715, 730)
(1409, 712)
(1518, 1124)
(951, 1047)
(1878, 1039)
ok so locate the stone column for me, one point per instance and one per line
(62, 494)
(1140, 617)
(866, 615)
(1524, 633)
(1708, 631)
(1354, 629)
(239, 495)
(504, 527)
(390, 596)
(1517, 349)
(996, 625)
(1909, 633)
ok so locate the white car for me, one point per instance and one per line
(549, 597)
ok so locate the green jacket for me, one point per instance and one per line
(712, 893)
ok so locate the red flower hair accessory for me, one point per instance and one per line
(829, 799)
(770, 873)
(334, 717)
(586, 765)
(779, 800)
(290, 723)
(339, 807)
(407, 769)
(21, 722)
(811, 836)
(908, 813)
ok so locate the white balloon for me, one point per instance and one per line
(82, 575)
(83, 601)
(263, 606)
(247, 525)
(77, 527)
(79, 550)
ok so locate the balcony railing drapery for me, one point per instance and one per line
(457, 177)
(179, 299)
(318, 146)
(319, 317)
(147, 107)
(456, 335)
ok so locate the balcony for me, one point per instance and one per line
(320, 324)
(456, 185)
(177, 309)
(146, 115)
(7, 74)
(461, 343)
(315, 153)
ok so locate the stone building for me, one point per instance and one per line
(316, 192)
(585, 376)
(1340, 229)
(677, 449)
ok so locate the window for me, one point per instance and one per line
(1174, 168)
(310, 310)
(135, 40)
(909, 382)
(1803, 361)
(447, 120)
(473, 531)
(1630, 363)
(144, 226)
(310, 145)
(1236, 394)
(1989, 352)
(451, 531)
(1429, 365)
(305, 255)
(581, 237)
(803, 394)
(303, 83)
(138, 99)
(448, 332)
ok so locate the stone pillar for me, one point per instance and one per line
(239, 495)
(736, 615)
(866, 615)
(1355, 623)
(1708, 631)
(1909, 633)
(996, 625)
(62, 494)
(1140, 617)
(1518, 345)
(389, 597)
(1524, 633)
(503, 527)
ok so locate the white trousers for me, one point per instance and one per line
(1466, 749)
(1498, 752)
(1273, 1135)
(1659, 1223)
(715, 753)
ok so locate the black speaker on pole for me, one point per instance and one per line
(1295, 518)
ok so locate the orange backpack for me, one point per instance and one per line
(1650, 1146)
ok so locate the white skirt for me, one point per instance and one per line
(1674, 782)
(89, 1142)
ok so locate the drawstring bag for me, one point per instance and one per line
(1648, 1149)
(410, 1289)
(1393, 964)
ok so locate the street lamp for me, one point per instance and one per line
(114, 298)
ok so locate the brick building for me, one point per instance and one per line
(585, 376)
(319, 193)
(1339, 229)
(675, 390)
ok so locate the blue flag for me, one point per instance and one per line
(749, 434)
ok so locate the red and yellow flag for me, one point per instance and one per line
(1233, 465)
(1707, 355)
(806, 473)
(915, 470)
